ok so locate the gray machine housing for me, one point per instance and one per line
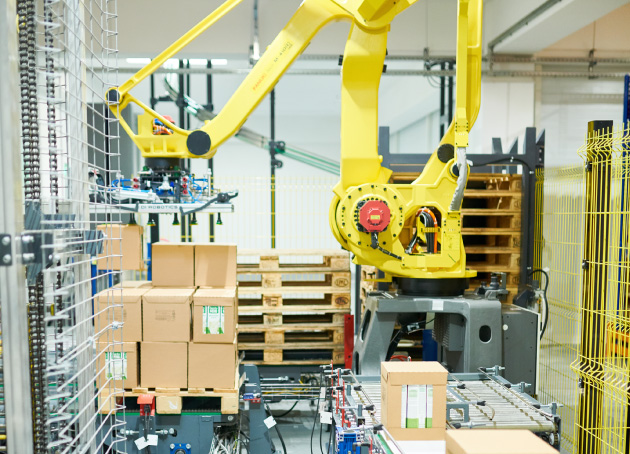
(471, 331)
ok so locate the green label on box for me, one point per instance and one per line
(213, 321)
(116, 365)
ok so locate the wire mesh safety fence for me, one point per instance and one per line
(559, 237)
(584, 241)
(68, 59)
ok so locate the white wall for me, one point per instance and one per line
(566, 108)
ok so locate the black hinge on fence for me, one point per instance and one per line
(6, 254)
(30, 249)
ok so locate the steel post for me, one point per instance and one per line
(15, 366)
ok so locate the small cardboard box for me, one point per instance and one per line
(116, 306)
(414, 400)
(173, 265)
(478, 441)
(215, 314)
(117, 362)
(168, 405)
(212, 365)
(166, 314)
(125, 240)
(164, 364)
(215, 265)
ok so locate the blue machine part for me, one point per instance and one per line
(180, 448)
(346, 441)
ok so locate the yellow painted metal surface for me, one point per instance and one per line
(362, 175)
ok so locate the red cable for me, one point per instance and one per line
(400, 357)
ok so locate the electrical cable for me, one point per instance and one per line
(377, 246)
(284, 447)
(544, 328)
(288, 411)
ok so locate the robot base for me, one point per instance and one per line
(468, 328)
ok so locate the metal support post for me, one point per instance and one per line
(210, 107)
(15, 361)
(181, 106)
(272, 144)
(594, 283)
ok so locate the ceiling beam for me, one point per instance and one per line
(548, 23)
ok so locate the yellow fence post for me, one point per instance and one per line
(594, 278)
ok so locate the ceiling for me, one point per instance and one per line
(146, 27)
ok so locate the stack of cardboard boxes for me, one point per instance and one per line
(181, 329)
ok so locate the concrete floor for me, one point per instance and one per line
(296, 428)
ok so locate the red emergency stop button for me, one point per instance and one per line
(374, 216)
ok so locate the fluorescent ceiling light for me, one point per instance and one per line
(203, 61)
(138, 61)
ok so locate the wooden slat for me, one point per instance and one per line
(289, 327)
(488, 231)
(491, 250)
(483, 267)
(290, 309)
(489, 212)
(490, 193)
(292, 346)
(253, 269)
(284, 290)
(293, 252)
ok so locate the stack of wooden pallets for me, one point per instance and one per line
(491, 227)
(292, 305)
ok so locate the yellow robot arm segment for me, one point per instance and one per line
(310, 17)
(374, 219)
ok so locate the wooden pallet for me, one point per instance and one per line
(288, 280)
(247, 320)
(277, 355)
(229, 398)
(290, 334)
(331, 297)
(280, 260)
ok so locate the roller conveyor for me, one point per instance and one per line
(481, 400)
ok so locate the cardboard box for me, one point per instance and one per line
(215, 315)
(212, 365)
(116, 306)
(414, 400)
(164, 364)
(118, 362)
(125, 240)
(166, 314)
(134, 284)
(168, 405)
(464, 441)
(215, 265)
(173, 265)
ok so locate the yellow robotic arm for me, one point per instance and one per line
(369, 217)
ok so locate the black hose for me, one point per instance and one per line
(288, 411)
(284, 448)
(544, 328)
